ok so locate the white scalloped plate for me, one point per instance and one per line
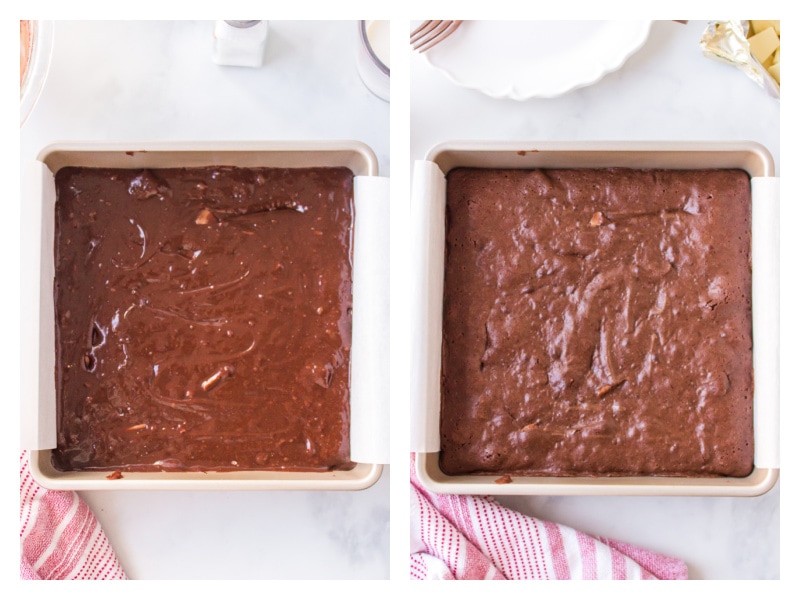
(535, 59)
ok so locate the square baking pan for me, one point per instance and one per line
(367, 402)
(428, 222)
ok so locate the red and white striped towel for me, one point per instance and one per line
(474, 537)
(59, 536)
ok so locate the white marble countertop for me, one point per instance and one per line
(155, 81)
(665, 91)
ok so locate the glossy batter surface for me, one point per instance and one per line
(203, 318)
(597, 322)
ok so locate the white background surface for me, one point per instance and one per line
(156, 81)
(666, 91)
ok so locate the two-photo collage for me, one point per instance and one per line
(401, 300)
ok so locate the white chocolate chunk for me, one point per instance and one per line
(759, 26)
(775, 71)
(763, 44)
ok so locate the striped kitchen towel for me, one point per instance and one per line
(59, 536)
(474, 537)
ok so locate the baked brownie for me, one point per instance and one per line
(597, 322)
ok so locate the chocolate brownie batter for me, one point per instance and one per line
(203, 318)
(597, 322)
